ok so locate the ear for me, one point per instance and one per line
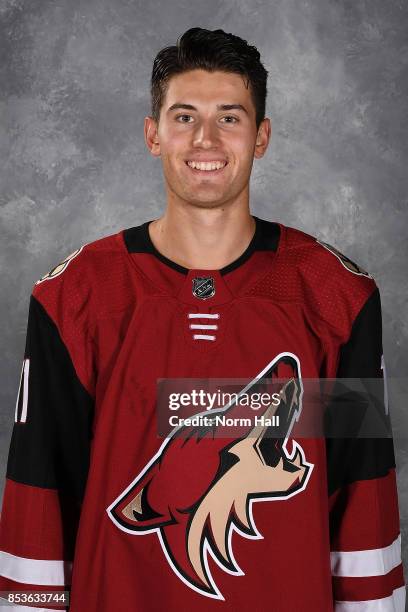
(151, 135)
(134, 511)
(263, 137)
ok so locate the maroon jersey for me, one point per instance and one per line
(96, 502)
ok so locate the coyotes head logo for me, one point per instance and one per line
(346, 262)
(199, 488)
(59, 268)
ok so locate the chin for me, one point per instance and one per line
(208, 204)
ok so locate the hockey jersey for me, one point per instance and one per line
(97, 503)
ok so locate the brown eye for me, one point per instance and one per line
(179, 116)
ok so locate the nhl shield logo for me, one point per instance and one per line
(203, 287)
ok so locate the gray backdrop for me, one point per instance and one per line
(74, 167)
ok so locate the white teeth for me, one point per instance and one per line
(207, 165)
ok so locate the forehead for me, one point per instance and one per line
(200, 86)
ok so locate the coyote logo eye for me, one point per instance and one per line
(59, 268)
(199, 488)
(347, 263)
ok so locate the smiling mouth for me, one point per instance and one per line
(207, 169)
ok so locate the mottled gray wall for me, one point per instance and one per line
(74, 167)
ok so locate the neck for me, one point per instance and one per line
(202, 238)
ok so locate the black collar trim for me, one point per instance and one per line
(266, 238)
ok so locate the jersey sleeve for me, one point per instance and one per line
(365, 540)
(47, 464)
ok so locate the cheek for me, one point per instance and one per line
(174, 151)
(240, 147)
(170, 140)
(174, 138)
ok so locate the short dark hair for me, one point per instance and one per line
(209, 50)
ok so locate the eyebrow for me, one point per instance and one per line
(222, 107)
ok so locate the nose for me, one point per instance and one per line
(206, 135)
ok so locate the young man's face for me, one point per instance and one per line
(194, 127)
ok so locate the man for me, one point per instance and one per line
(201, 519)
